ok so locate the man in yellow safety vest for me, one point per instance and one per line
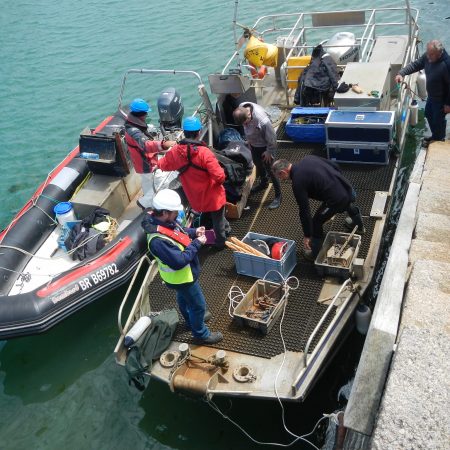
(175, 249)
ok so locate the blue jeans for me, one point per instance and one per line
(434, 112)
(192, 304)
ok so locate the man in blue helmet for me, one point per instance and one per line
(142, 148)
(201, 176)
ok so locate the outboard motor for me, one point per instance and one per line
(170, 110)
(348, 50)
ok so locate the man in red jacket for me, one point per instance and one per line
(143, 149)
(201, 176)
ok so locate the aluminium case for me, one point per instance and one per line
(358, 152)
(369, 127)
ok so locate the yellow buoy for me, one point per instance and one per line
(255, 52)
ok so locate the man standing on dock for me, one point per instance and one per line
(175, 249)
(262, 140)
(436, 63)
(319, 179)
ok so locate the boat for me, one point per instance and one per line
(42, 280)
(316, 306)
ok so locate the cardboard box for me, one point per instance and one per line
(234, 211)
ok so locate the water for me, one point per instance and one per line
(62, 66)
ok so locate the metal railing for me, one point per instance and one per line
(318, 326)
(205, 104)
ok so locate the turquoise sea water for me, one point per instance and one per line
(61, 69)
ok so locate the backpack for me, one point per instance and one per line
(150, 346)
(83, 240)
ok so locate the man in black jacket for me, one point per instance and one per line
(436, 63)
(319, 179)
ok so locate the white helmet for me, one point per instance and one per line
(168, 200)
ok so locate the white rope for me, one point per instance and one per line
(235, 295)
(277, 444)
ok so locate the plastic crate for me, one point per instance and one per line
(332, 237)
(258, 267)
(311, 131)
(261, 288)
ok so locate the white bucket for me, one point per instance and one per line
(64, 213)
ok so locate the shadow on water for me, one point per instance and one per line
(39, 368)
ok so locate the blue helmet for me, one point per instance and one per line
(192, 124)
(138, 105)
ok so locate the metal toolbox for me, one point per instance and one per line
(370, 77)
(307, 124)
(332, 239)
(360, 126)
(261, 306)
(259, 267)
(358, 152)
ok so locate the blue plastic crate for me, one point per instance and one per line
(258, 267)
(307, 132)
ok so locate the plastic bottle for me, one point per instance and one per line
(87, 155)
(413, 113)
(137, 330)
(64, 213)
(363, 316)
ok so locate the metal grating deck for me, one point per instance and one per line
(302, 311)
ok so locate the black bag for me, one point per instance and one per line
(83, 240)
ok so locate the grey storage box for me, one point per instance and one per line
(391, 49)
(369, 76)
(336, 238)
(247, 312)
(259, 267)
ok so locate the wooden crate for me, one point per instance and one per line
(234, 211)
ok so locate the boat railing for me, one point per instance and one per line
(205, 105)
(141, 297)
(367, 21)
(329, 310)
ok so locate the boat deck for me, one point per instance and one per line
(303, 312)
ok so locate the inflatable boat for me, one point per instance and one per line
(40, 282)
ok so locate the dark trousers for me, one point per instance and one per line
(325, 213)
(434, 112)
(220, 224)
(264, 170)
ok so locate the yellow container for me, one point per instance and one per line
(294, 73)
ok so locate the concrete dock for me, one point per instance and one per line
(400, 396)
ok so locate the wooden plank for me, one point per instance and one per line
(375, 360)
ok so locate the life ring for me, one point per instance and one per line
(259, 73)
